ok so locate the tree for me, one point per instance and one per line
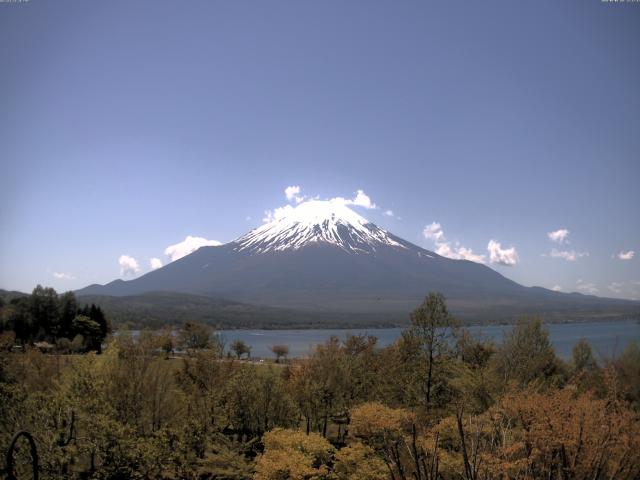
(97, 315)
(67, 311)
(560, 435)
(194, 335)
(526, 354)
(44, 309)
(7, 340)
(256, 401)
(474, 351)
(359, 462)
(63, 345)
(627, 367)
(291, 454)
(280, 351)
(77, 344)
(17, 318)
(89, 330)
(166, 341)
(385, 429)
(240, 348)
(432, 326)
(583, 356)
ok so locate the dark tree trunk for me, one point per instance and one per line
(429, 373)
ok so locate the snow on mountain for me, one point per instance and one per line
(317, 221)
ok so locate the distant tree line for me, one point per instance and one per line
(58, 320)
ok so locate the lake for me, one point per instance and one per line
(606, 338)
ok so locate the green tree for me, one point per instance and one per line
(77, 344)
(257, 400)
(433, 327)
(44, 310)
(97, 315)
(17, 318)
(527, 355)
(89, 330)
(67, 311)
(582, 356)
(194, 335)
(240, 348)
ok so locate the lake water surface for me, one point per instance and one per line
(606, 338)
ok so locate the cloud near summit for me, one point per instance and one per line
(294, 195)
(360, 199)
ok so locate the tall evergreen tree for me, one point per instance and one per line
(44, 310)
(67, 312)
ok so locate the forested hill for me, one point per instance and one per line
(156, 309)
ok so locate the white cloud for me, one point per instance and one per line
(63, 276)
(628, 289)
(188, 245)
(293, 193)
(467, 254)
(568, 255)
(128, 265)
(626, 255)
(502, 256)
(155, 263)
(360, 199)
(445, 250)
(556, 288)
(615, 287)
(388, 213)
(559, 236)
(276, 214)
(586, 287)
(434, 232)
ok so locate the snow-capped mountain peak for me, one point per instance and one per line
(317, 221)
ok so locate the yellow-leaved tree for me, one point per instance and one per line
(294, 455)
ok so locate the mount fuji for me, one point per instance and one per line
(322, 257)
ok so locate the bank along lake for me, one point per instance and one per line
(606, 338)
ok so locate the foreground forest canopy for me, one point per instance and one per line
(436, 404)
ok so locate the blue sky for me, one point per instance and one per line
(127, 126)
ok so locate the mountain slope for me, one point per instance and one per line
(323, 257)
